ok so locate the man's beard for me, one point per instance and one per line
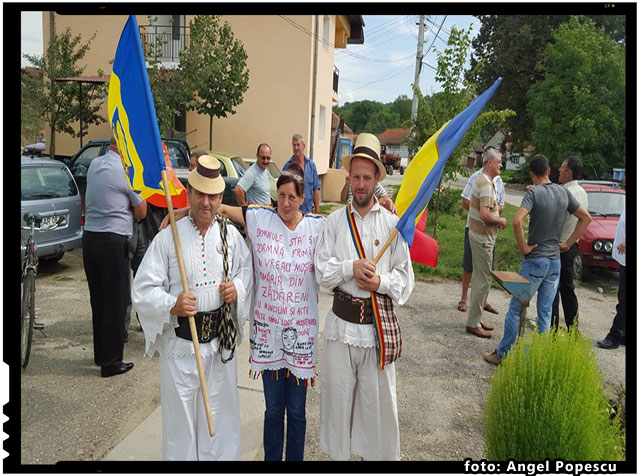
(365, 201)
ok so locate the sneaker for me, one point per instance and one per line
(492, 357)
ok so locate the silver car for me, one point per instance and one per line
(47, 188)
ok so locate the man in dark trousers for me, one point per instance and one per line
(546, 203)
(618, 333)
(570, 171)
(110, 208)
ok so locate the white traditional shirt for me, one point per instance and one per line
(334, 259)
(157, 284)
(284, 317)
(571, 220)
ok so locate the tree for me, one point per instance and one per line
(215, 66)
(435, 111)
(579, 107)
(511, 46)
(169, 87)
(31, 122)
(382, 121)
(58, 102)
(402, 106)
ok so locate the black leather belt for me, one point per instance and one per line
(352, 309)
(207, 324)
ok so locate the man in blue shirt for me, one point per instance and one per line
(311, 180)
(255, 186)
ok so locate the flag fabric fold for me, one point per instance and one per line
(133, 119)
(425, 170)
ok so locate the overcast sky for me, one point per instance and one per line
(381, 69)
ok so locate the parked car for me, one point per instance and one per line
(79, 163)
(34, 149)
(231, 168)
(274, 173)
(48, 188)
(596, 243)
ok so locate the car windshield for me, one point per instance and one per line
(605, 203)
(240, 165)
(46, 181)
(274, 170)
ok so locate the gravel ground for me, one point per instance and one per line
(442, 380)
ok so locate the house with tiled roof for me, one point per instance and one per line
(393, 138)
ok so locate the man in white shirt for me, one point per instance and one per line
(570, 170)
(164, 306)
(358, 406)
(484, 223)
(467, 263)
(255, 185)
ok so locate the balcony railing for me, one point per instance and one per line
(165, 42)
(336, 77)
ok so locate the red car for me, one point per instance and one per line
(595, 244)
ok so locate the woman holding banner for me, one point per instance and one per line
(284, 316)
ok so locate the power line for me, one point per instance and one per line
(382, 78)
(355, 55)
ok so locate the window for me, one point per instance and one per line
(39, 182)
(322, 126)
(175, 27)
(326, 29)
(607, 204)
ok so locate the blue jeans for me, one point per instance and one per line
(280, 394)
(544, 275)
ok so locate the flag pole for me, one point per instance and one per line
(192, 322)
(386, 245)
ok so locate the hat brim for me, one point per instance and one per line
(206, 185)
(346, 164)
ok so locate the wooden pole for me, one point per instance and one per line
(386, 245)
(192, 322)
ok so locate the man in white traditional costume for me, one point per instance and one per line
(163, 306)
(358, 407)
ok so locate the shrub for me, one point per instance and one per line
(448, 201)
(547, 400)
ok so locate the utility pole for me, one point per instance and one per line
(416, 78)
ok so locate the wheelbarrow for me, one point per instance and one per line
(519, 288)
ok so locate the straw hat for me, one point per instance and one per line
(368, 147)
(206, 176)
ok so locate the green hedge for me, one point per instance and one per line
(547, 400)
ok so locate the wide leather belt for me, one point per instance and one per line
(207, 324)
(352, 309)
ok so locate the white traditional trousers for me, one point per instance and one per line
(358, 405)
(185, 434)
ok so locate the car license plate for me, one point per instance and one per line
(54, 221)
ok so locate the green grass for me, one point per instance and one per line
(450, 238)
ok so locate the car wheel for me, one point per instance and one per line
(401, 170)
(389, 170)
(578, 268)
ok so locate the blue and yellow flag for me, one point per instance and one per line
(426, 167)
(133, 120)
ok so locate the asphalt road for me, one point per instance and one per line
(70, 413)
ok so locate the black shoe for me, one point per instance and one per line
(117, 369)
(607, 343)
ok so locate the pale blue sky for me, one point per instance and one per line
(381, 69)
